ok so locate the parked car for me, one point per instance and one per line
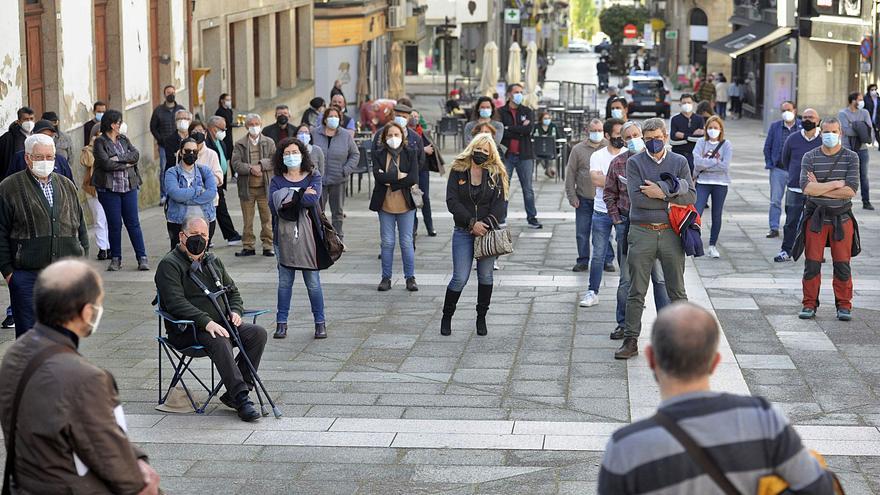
(604, 47)
(578, 46)
(647, 93)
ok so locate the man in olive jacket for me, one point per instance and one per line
(70, 431)
(252, 161)
(41, 221)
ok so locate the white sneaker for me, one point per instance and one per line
(236, 242)
(591, 299)
(713, 252)
(495, 265)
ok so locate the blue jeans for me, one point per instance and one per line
(717, 193)
(601, 234)
(21, 298)
(425, 186)
(794, 207)
(404, 224)
(463, 259)
(312, 280)
(583, 223)
(863, 175)
(524, 170)
(661, 298)
(778, 182)
(122, 208)
(162, 162)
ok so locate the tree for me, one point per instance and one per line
(612, 20)
(584, 19)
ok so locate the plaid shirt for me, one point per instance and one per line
(615, 195)
(47, 190)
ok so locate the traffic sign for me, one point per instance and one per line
(866, 48)
(672, 34)
(511, 16)
(630, 31)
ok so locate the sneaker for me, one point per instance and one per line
(844, 314)
(807, 313)
(103, 254)
(867, 205)
(115, 265)
(384, 285)
(234, 241)
(782, 257)
(713, 252)
(9, 322)
(772, 234)
(590, 299)
(411, 284)
(247, 412)
(143, 264)
(609, 267)
(580, 267)
(617, 334)
(495, 266)
(534, 223)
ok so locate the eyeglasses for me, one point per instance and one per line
(40, 158)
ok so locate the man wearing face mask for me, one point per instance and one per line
(796, 146)
(252, 160)
(685, 129)
(62, 166)
(41, 221)
(69, 427)
(858, 131)
(519, 125)
(338, 101)
(98, 109)
(777, 134)
(618, 108)
(162, 125)
(280, 129)
(580, 191)
(216, 140)
(12, 141)
(183, 299)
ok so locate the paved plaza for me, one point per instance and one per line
(386, 405)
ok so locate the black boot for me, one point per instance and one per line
(448, 310)
(484, 297)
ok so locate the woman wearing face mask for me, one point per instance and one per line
(294, 196)
(207, 156)
(316, 154)
(117, 180)
(484, 113)
(224, 109)
(341, 157)
(396, 169)
(191, 189)
(546, 128)
(476, 195)
(712, 156)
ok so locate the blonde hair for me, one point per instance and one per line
(720, 122)
(497, 171)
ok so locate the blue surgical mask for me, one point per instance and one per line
(518, 98)
(546, 122)
(830, 140)
(485, 113)
(401, 121)
(654, 146)
(596, 136)
(305, 137)
(333, 122)
(293, 161)
(99, 116)
(616, 113)
(636, 145)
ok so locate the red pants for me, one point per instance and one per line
(814, 253)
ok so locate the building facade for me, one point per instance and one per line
(688, 26)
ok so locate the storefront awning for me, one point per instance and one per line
(748, 38)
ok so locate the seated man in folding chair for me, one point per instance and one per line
(182, 298)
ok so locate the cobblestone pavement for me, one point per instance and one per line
(386, 405)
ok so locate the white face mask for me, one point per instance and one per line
(713, 133)
(123, 128)
(394, 142)
(788, 116)
(43, 168)
(221, 135)
(254, 131)
(227, 103)
(27, 126)
(687, 107)
(183, 125)
(861, 104)
(96, 318)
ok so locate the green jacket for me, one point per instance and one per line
(180, 297)
(34, 235)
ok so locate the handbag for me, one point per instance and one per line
(418, 196)
(332, 241)
(496, 242)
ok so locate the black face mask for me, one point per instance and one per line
(199, 137)
(479, 157)
(808, 125)
(618, 142)
(282, 119)
(169, 98)
(196, 244)
(189, 157)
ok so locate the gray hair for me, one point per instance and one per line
(653, 125)
(281, 107)
(35, 139)
(628, 124)
(190, 220)
(831, 120)
(215, 120)
(252, 117)
(685, 341)
(182, 111)
(595, 121)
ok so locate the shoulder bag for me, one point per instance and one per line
(496, 242)
(331, 238)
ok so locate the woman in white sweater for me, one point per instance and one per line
(712, 155)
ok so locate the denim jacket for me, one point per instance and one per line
(181, 195)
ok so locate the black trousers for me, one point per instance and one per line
(227, 228)
(236, 377)
(175, 228)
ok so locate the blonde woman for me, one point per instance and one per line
(712, 156)
(476, 195)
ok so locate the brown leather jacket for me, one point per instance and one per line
(69, 407)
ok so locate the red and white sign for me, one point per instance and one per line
(630, 31)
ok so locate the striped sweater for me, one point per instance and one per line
(745, 436)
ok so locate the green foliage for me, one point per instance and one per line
(584, 19)
(612, 20)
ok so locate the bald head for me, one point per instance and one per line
(685, 341)
(63, 289)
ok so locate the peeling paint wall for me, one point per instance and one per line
(11, 71)
(136, 52)
(178, 40)
(77, 65)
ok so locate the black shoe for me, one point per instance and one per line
(268, 253)
(867, 205)
(617, 334)
(9, 322)
(580, 267)
(772, 234)
(534, 223)
(411, 285)
(379, 257)
(103, 254)
(629, 349)
(143, 264)
(320, 331)
(247, 412)
(432, 233)
(609, 267)
(245, 252)
(115, 265)
(384, 285)
(449, 303)
(280, 331)
(227, 401)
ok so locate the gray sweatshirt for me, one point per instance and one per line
(642, 167)
(847, 117)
